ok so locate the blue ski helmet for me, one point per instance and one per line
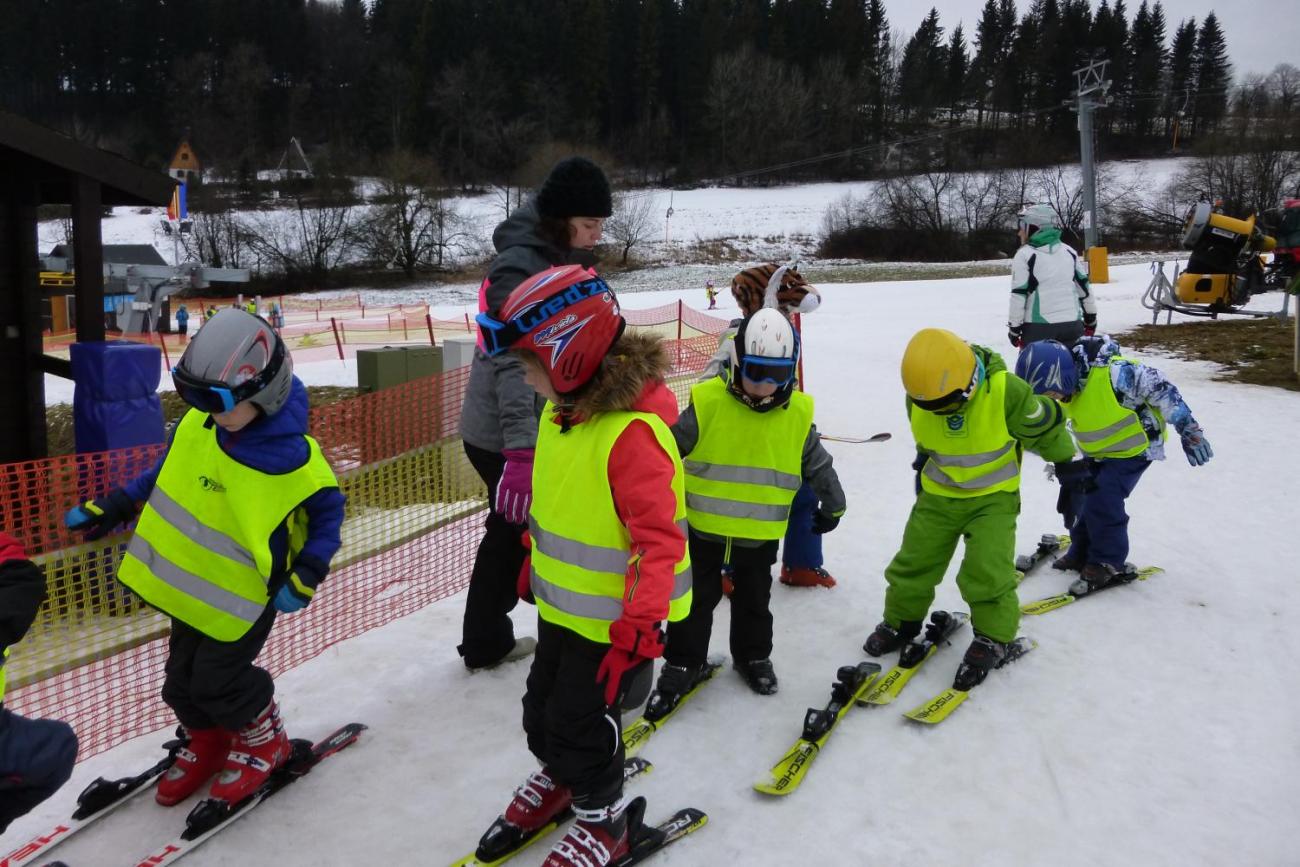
(1048, 366)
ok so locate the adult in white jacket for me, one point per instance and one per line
(1050, 295)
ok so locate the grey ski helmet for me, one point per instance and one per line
(1040, 216)
(235, 357)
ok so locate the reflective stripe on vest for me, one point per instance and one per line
(1102, 426)
(746, 467)
(201, 551)
(581, 550)
(971, 453)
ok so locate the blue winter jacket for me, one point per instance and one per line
(276, 444)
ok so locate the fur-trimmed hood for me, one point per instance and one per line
(633, 362)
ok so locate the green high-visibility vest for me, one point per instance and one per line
(971, 453)
(581, 550)
(746, 466)
(3, 660)
(1101, 425)
(201, 551)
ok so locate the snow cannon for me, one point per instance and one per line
(1226, 266)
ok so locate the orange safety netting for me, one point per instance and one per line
(95, 655)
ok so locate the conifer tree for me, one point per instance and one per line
(1213, 74)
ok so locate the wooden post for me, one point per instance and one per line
(88, 256)
(428, 320)
(22, 391)
(337, 341)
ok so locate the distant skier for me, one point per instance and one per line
(241, 521)
(609, 561)
(1050, 295)
(972, 421)
(748, 444)
(1118, 409)
(36, 755)
(182, 322)
(711, 294)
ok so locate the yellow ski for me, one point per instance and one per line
(851, 683)
(1051, 603)
(637, 732)
(939, 708)
(913, 655)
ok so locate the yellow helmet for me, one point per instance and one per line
(939, 369)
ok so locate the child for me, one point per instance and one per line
(783, 287)
(241, 521)
(1117, 410)
(608, 562)
(36, 755)
(749, 444)
(711, 294)
(971, 420)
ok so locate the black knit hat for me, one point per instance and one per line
(576, 187)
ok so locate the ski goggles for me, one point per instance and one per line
(219, 397)
(778, 371)
(956, 399)
(500, 336)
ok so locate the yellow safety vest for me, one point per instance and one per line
(581, 549)
(1101, 425)
(746, 466)
(3, 660)
(972, 453)
(201, 551)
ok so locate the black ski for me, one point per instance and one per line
(95, 802)
(211, 815)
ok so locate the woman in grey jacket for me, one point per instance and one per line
(561, 225)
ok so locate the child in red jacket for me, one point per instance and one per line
(608, 562)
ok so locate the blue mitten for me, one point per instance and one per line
(96, 518)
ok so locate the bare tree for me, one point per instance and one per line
(412, 226)
(633, 220)
(216, 238)
(304, 239)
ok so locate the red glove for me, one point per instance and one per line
(11, 549)
(629, 646)
(524, 583)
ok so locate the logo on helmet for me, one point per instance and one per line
(560, 335)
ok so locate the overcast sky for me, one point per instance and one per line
(1260, 33)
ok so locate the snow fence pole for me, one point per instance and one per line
(428, 320)
(337, 342)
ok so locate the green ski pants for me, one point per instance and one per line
(987, 577)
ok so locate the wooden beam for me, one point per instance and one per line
(22, 388)
(88, 255)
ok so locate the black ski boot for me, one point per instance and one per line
(887, 639)
(759, 674)
(674, 682)
(1066, 563)
(983, 655)
(1093, 577)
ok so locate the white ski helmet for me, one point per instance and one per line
(767, 350)
(1038, 217)
(235, 357)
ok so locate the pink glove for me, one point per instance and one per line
(515, 490)
(629, 646)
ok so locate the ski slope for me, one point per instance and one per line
(1153, 726)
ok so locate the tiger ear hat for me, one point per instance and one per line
(772, 285)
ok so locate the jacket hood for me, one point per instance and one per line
(273, 443)
(990, 360)
(634, 362)
(520, 230)
(1048, 237)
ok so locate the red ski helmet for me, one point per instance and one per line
(566, 316)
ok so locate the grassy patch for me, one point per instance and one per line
(1258, 351)
(58, 418)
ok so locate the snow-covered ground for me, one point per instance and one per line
(1152, 726)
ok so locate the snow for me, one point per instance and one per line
(1152, 726)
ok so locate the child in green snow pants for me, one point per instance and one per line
(986, 579)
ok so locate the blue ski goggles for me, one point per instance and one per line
(219, 397)
(499, 336)
(778, 371)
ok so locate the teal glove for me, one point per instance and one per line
(293, 595)
(96, 518)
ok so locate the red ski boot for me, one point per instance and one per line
(535, 804)
(806, 576)
(598, 838)
(259, 748)
(195, 764)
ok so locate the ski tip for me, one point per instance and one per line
(939, 708)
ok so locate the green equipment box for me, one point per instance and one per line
(388, 366)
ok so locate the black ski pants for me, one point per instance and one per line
(571, 731)
(487, 634)
(36, 759)
(751, 613)
(1065, 332)
(214, 684)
